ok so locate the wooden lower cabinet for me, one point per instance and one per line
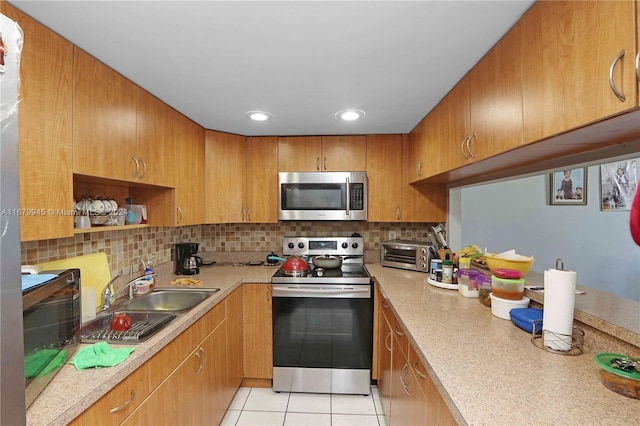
(257, 335)
(234, 343)
(408, 395)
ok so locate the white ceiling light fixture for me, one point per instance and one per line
(350, 114)
(258, 115)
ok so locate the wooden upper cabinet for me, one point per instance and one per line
(262, 180)
(155, 149)
(225, 177)
(44, 126)
(384, 176)
(104, 120)
(344, 153)
(299, 153)
(189, 172)
(322, 153)
(495, 99)
(568, 49)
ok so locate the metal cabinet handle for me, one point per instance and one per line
(248, 215)
(398, 332)
(618, 94)
(123, 406)
(384, 305)
(145, 169)
(318, 163)
(325, 163)
(135, 174)
(179, 214)
(397, 213)
(402, 376)
(471, 136)
(385, 342)
(419, 168)
(466, 139)
(268, 294)
(638, 65)
(242, 214)
(418, 372)
(197, 355)
(205, 356)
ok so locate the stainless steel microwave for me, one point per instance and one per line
(322, 196)
(51, 315)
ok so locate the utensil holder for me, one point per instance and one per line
(577, 340)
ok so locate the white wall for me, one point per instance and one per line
(516, 214)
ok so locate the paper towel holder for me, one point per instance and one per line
(560, 264)
(577, 340)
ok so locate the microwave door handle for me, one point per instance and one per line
(348, 197)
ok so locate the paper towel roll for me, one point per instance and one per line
(559, 303)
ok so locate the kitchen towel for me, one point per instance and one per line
(559, 303)
(100, 355)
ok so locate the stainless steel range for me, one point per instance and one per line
(323, 319)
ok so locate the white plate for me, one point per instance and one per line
(442, 285)
(97, 207)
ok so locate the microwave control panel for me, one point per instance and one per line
(357, 196)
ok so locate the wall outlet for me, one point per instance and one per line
(392, 235)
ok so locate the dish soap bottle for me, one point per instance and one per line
(447, 269)
(148, 272)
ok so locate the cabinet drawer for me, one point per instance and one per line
(168, 359)
(120, 401)
(210, 321)
(397, 330)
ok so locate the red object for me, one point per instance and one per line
(121, 322)
(508, 274)
(634, 219)
(295, 264)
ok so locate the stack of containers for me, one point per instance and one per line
(484, 288)
(507, 292)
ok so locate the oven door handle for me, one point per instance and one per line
(328, 292)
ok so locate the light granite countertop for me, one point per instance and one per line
(487, 370)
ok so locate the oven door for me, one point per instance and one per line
(322, 338)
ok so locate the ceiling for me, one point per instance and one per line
(302, 61)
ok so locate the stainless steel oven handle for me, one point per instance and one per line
(299, 291)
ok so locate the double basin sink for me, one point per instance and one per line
(149, 314)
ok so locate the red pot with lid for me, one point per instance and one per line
(295, 265)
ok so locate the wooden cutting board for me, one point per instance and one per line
(94, 271)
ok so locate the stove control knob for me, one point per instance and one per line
(291, 245)
(354, 245)
(301, 245)
(345, 245)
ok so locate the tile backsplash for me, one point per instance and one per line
(124, 246)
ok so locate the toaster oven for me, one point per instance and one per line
(404, 254)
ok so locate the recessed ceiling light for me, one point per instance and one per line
(350, 114)
(258, 115)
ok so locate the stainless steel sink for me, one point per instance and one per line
(143, 326)
(170, 300)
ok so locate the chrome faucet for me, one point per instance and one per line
(108, 293)
(109, 296)
(139, 259)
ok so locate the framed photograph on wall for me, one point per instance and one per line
(619, 182)
(569, 187)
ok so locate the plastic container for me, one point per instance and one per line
(136, 214)
(507, 289)
(502, 307)
(484, 288)
(467, 283)
(522, 265)
(435, 265)
(510, 274)
(527, 319)
(142, 286)
(464, 263)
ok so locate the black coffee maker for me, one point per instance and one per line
(186, 261)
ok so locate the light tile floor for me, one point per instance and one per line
(259, 406)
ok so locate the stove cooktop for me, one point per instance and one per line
(348, 274)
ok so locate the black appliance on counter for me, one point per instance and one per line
(51, 315)
(186, 261)
(323, 323)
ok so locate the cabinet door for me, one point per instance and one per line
(44, 122)
(401, 407)
(262, 180)
(495, 92)
(120, 401)
(453, 122)
(211, 380)
(385, 339)
(344, 153)
(257, 332)
(234, 343)
(567, 50)
(384, 176)
(156, 124)
(189, 166)
(104, 120)
(300, 154)
(225, 177)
